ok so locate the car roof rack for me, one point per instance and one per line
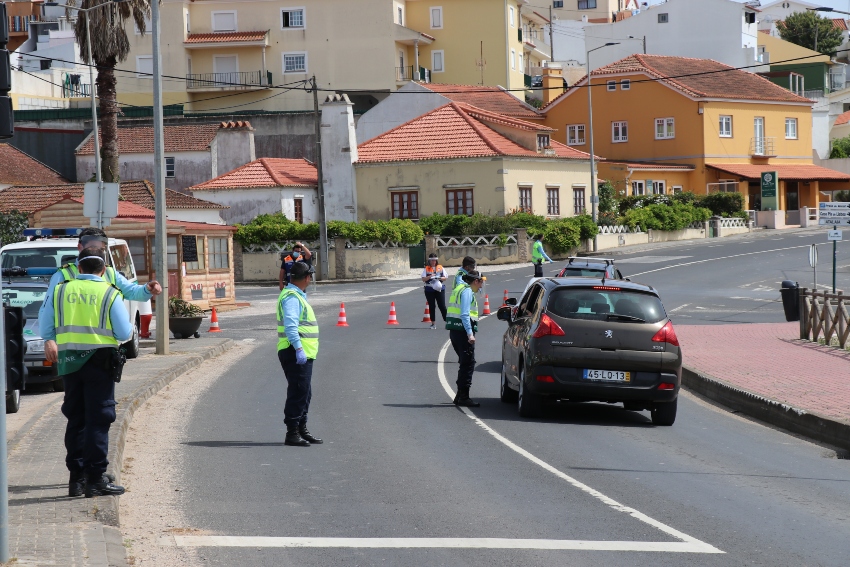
(589, 259)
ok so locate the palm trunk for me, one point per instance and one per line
(108, 120)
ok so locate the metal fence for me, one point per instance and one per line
(234, 80)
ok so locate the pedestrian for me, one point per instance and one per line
(466, 266)
(462, 324)
(538, 255)
(87, 322)
(297, 347)
(435, 290)
(300, 253)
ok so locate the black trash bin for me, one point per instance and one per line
(791, 300)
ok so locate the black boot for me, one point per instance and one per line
(463, 399)
(307, 436)
(76, 484)
(294, 438)
(102, 486)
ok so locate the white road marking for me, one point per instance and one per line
(702, 547)
(715, 259)
(679, 307)
(651, 259)
(438, 543)
(390, 293)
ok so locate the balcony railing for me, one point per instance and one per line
(762, 146)
(408, 73)
(77, 90)
(235, 80)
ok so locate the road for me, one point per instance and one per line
(406, 478)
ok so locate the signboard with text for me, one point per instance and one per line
(769, 185)
(833, 214)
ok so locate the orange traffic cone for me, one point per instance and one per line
(486, 305)
(341, 322)
(427, 317)
(214, 323)
(393, 320)
(505, 301)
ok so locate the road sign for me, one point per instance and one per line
(92, 200)
(836, 205)
(833, 235)
(813, 256)
(834, 221)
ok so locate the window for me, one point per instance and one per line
(553, 201)
(519, 62)
(295, 62)
(437, 61)
(224, 21)
(405, 204)
(637, 188)
(750, 17)
(619, 132)
(138, 252)
(436, 18)
(658, 188)
(298, 208)
(790, 128)
(513, 59)
(45, 64)
(170, 252)
(558, 3)
(193, 253)
(147, 26)
(144, 66)
(578, 200)
(625, 84)
(575, 134)
(586, 4)
(525, 199)
(226, 69)
(122, 261)
(664, 129)
(459, 202)
(188, 23)
(663, 18)
(169, 167)
(292, 18)
(611, 85)
(400, 16)
(219, 256)
(511, 16)
(677, 189)
(543, 141)
(725, 126)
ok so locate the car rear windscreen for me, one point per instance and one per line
(598, 303)
(582, 272)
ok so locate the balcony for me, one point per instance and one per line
(238, 80)
(408, 73)
(76, 90)
(762, 147)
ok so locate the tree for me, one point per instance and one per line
(840, 148)
(12, 225)
(110, 46)
(809, 29)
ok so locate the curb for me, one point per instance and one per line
(107, 507)
(275, 283)
(808, 424)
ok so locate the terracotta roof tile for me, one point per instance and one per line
(658, 166)
(139, 140)
(697, 78)
(451, 131)
(126, 209)
(802, 172)
(493, 99)
(226, 37)
(18, 168)
(842, 119)
(265, 172)
(839, 23)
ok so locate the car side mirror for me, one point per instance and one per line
(628, 279)
(511, 301)
(505, 313)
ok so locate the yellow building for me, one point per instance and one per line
(594, 11)
(667, 124)
(460, 159)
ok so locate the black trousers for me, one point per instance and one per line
(438, 297)
(89, 406)
(466, 357)
(299, 390)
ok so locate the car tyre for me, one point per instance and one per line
(131, 347)
(13, 401)
(58, 385)
(664, 413)
(529, 404)
(507, 394)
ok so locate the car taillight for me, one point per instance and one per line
(548, 379)
(666, 386)
(666, 335)
(548, 327)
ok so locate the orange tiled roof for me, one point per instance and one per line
(18, 168)
(839, 23)
(697, 78)
(139, 140)
(265, 172)
(493, 99)
(644, 165)
(126, 209)
(226, 37)
(842, 119)
(451, 131)
(802, 172)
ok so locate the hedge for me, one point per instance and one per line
(719, 204)
(278, 228)
(674, 216)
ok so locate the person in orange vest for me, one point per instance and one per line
(435, 290)
(300, 253)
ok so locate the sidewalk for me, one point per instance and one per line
(763, 371)
(46, 527)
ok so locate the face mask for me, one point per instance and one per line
(295, 255)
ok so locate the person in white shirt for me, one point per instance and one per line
(435, 290)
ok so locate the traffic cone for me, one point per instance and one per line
(214, 323)
(427, 317)
(393, 320)
(486, 305)
(341, 322)
(505, 301)
(145, 331)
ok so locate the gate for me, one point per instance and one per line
(417, 255)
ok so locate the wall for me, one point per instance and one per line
(53, 147)
(190, 168)
(360, 263)
(621, 177)
(540, 173)
(209, 216)
(397, 109)
(339, 152)
(234, 147)
(570, 11)
(246, 204)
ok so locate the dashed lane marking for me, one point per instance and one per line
(679, 307)
(652, 259)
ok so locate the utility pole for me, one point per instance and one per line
(94, 127)
(161, 233)
(320, 186)
(551, 36)
(4, 459)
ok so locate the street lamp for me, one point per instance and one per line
(641, 39)
(99, 177)
(594, 200)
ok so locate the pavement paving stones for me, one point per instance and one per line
(46, 527)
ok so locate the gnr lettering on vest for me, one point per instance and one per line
(81, 298)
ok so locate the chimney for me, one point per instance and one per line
(553, 82)
(234, 146)
(339, 152)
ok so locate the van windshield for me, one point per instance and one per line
(600, 303)
(29, 298)
(39, 257)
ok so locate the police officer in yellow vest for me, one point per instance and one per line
(297, 348)
(462, 324)
(89, 321)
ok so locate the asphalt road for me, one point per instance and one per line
(588, 484)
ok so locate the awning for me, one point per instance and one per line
(785, 171)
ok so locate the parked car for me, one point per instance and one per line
(583, 339)
(537, 81)
(591, 267)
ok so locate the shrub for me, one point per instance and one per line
(841, 196)
(562, 235)
(274, 228)
(396, 230)
(675, 216)
(840, 148)
(723, 204)
(607, 200)
(277, 228)
(587, 228)
(12, 225)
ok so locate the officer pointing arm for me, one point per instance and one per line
(462, 323)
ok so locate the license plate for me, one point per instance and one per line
(607, 375)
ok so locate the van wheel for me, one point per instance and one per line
(58, 385)
(131, 347)
(664, 413)
(530, 405)
(13, 401)
(507, 394)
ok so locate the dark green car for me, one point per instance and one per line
(587, 339)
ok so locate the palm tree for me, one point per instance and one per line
(109, 47)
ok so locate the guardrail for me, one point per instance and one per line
(824, 317)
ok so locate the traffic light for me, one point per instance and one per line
(7, 118)
(16, 346)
